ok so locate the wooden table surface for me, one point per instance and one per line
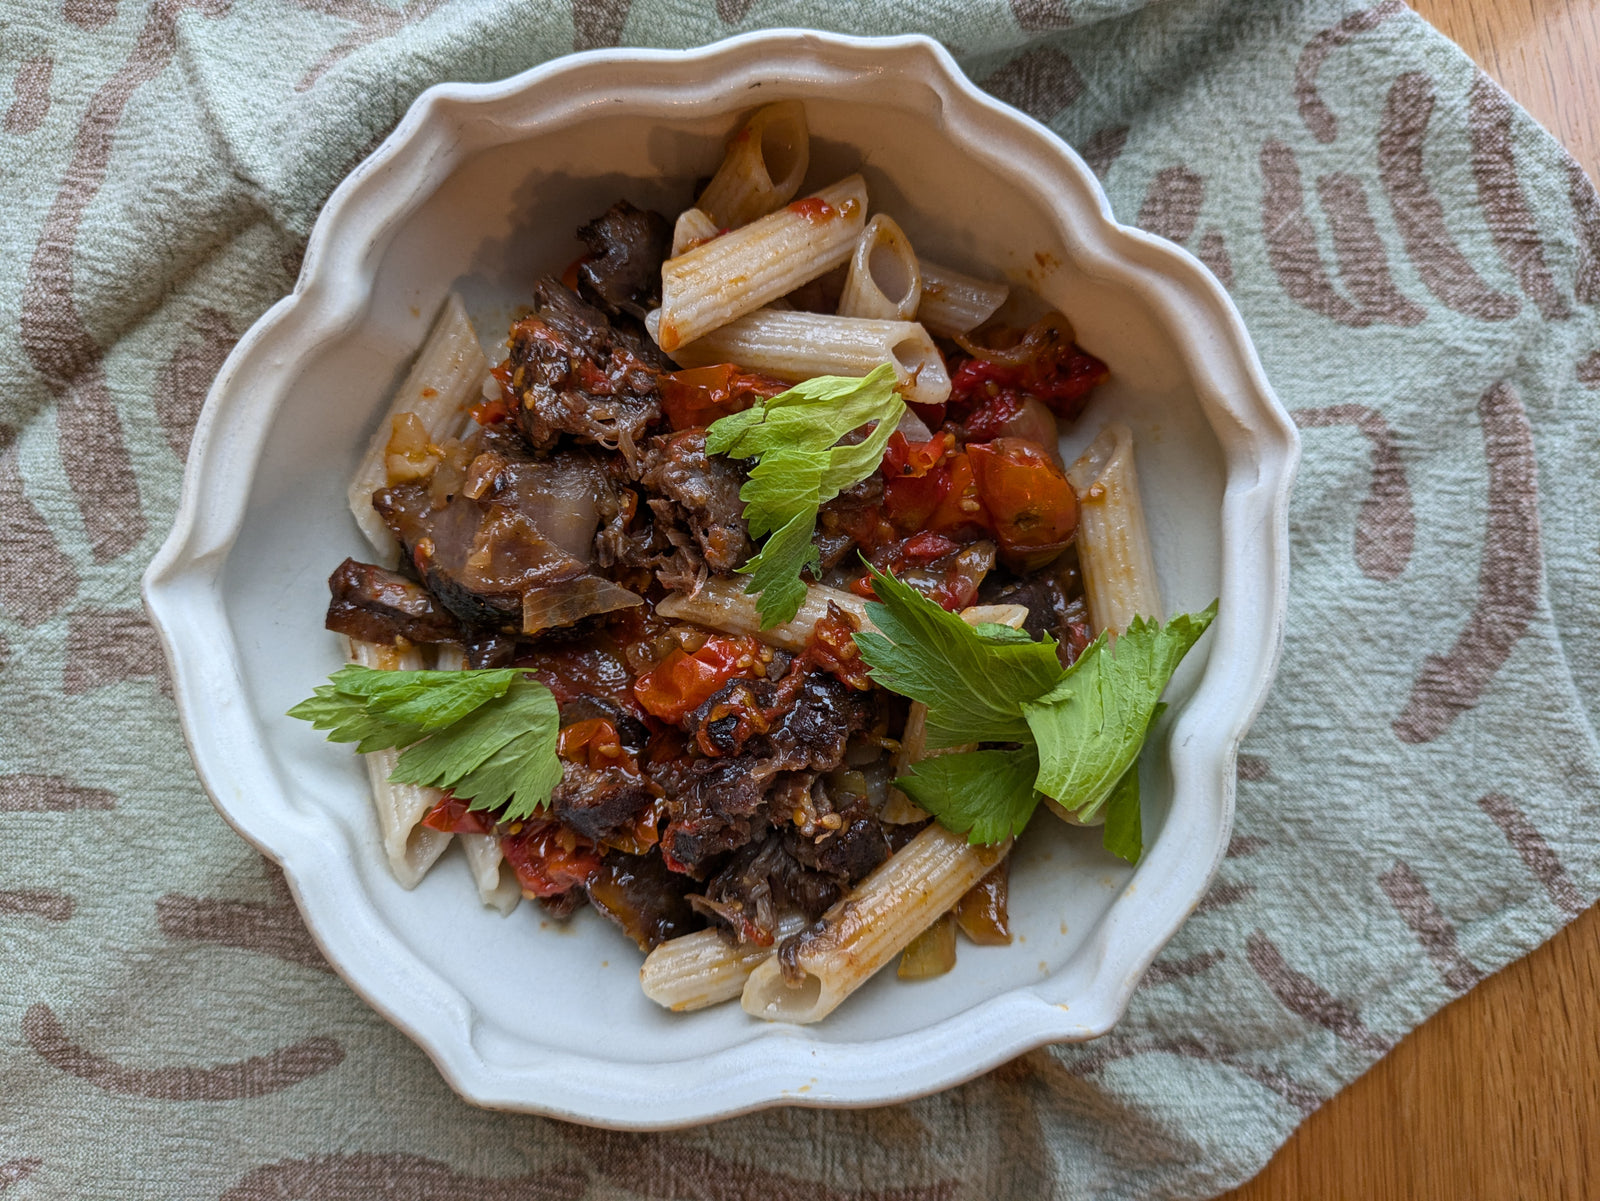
(1497, 1097)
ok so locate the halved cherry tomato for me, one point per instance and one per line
(549, 859)
(453, 817)
(595, 744)
(681, 682)
(1030, 502)
(1062, 375)
(695, 398)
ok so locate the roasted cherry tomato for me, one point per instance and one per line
(595, 744)
(697, 397)
(1031, 504)
(548, 858)
(1046, 364)
(453, 817)
(681, 682)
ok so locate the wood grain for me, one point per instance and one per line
(1498, 1096)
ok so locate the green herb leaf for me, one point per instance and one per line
(973, 680)
(1123, 835)
(488, 736)
(794, 435)
(986, 795)
(504, 750)
(1091, 725)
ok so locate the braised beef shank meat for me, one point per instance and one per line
(760, 883)
(622, 273)
(572, 372)
(371, 604)
(695, 500)
(644, 897)
(599, 802)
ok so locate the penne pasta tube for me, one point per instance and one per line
(443, 383)
(497, 887)
(1119, 570)
(742, 270)
(704, 968)
(693, 228)
(874, 922)
(798, 346)
(410, 847)
(884, 281)
(723, 604)
(898, 808)
(763, 166)
(954, 303)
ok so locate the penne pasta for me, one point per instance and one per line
(763, 166)
(864, 930)
(1119, 572)
(497, 887)
(410, 847)
(723, 604)
(704, 968)
(954, 303)
(798, 346)
(884, 281)
(443, 383)
(742, 270)
(693, 228)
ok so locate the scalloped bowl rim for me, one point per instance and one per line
(181, 589)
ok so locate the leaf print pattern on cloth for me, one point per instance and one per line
(1117, 1047)
(1305, 998)
(107, 646)
(1171, 207)
(731, 12)
(1385, 524)
(1363, 258)
(182, 389)
(1589, 370)
(1165, 971)
(1319, 118)
(1416, 907)
(253, 1077)
(34, 902)
(61, 349)
(89, 14)
(1103, 147)
(1509, 577)
(1040, 82)
(661, 1167)
(1041, 16)
(398, 1176)
(272, 928)
(1224, 894)
(1528, 843)
(1292, 241)
(1443, 268)
(598, 23)
(1586, 209)
(373, 23)
(32, 100)
(36, 578)
(23, 792)
(15, 1171)
(1511, 222)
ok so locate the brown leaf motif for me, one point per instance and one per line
(1306, 999)
(1041, 82)
(380, 1177)
(1509, 578)
(253, 1077)
(1319, 118)
(1385, 525)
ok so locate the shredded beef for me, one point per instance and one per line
(847, 853)
(760, 883)
(573, 372)
(1054, 602)
(626, 249)
(599, 802)
(373, 605)
(643, 896)
(697, 503)
(719, 810)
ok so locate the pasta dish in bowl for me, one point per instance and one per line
(782, 560)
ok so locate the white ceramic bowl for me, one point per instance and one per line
(479, 190)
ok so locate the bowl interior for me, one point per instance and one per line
(506, 213)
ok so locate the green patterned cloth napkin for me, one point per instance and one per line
(1419, 265)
